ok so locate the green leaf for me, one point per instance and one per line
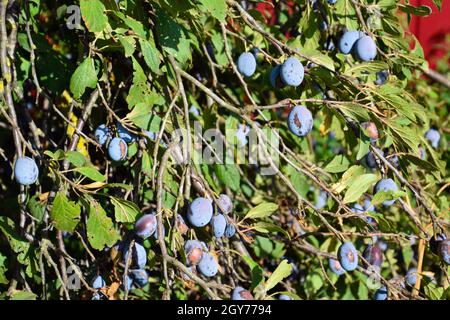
(359, 186)
(92, 173)
(94, 15)
(18, 245)
(124, 211)
(75, 158)
(339, 164)
(348, 177)
(151, 54)
(217, 8)
(3, 269)
(363, 147)
(142, 116)
(65, 213)
(283, 270)
(261, 211)
(84, 77)
(100, 228)
(229, 175)
(23, 295)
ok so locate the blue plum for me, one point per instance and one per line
(284, 297)
(300, 121)
(357, 208)
(411, 277)
(218, 224)
(444, 250)
(225, 204)
(98, 282)
(336, 267)
(240, 293)
(371, 158)
(139, 256)
(368, 206)
(331, 1)
(102, 134)
(208, 265)
(348, 256)
(365, 48)
(194, 250)
(146, 225)
(246, 64)
(126, 135)
(230, 230)
(348, 40)
(382, 77)
(275, 77)
(374, 255)
(386, 185)
(292, 72)
(26, 171)
(433, 136)
(381, 293)
(321, 200)
(139, 276)
(435, 241)
(117, 149)
(200, 212)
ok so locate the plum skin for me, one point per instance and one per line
(292, 72)
(26, 171)
(300, 121)
(365, 48)
(200, 212)
(348, 256)
(208, 265)
(246, 64)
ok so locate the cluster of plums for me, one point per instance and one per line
(117, 146)
(359, 44)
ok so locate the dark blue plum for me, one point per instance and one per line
(26, 171)
(230, 230)
(146, 226)
(444, 251)
(218, 224)
(200, 212)
(411, 277)
(365, 48)
(246, 64)
(275, 77)
(348, 256)
(240, 293)
(98, 283)
(117, 149)
(139, 256)
(348, 40)
(225, 204)
(139, 276)
(124, 134)
(382, 293)
(292, 72)
(382, 77)
(374, 255)
(386, 185)
(336, 267)
(300, 121)
(102, 134)
(208, 265)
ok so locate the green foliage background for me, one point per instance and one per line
(144, 64)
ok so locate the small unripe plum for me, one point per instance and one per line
(98, 282)
(246, 64)
(336, 267)
(300, 121)
(381, 293)
(194, 252)
(373, 255)
(146, 225)
(411, 276)
(240, 293)
(226, 205)
(139, 256)
(126, 135)
(25, 171)
(365, 48)
(292, 72)
(230, 230)
(139, 276)
(348, 256)
(200, 212)
(208, 265)
(444, 251)
(348, 40)
(433, 136)
(117, 149)
(386, 185)
(102, 134)
(218, 224)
